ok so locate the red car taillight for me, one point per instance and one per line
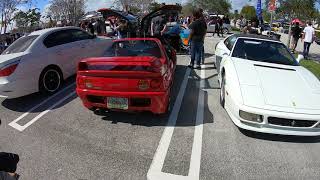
(80, 83)
(157, 66)
(8, 69)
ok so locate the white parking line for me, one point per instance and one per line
(195, 162)
(161, 152)
(155, 171)
(21, 128)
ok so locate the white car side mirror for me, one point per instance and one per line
(299, 58)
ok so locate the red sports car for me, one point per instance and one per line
(134, 74)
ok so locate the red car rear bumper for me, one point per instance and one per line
(156, 102)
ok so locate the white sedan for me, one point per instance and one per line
(43, 59)
(264, 89)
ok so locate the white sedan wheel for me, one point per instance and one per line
(50, 81)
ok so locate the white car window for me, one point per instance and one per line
(58, 38)
(78, 35)
(20, 45)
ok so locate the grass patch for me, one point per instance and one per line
(235, 29)
(312, 66)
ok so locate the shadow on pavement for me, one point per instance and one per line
(25, 103)
(187, 113)
(280, 138)
(207, 55)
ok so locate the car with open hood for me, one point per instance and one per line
(133, 20)
(141, 28)
(264, 89)
(166, 10)
(133, 74)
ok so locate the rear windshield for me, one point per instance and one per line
(20, 45)
(134, 48)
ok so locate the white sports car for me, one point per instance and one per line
(264, 89)
(43, 59)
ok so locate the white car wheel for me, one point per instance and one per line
(50, 80)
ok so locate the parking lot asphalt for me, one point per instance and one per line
(57, 138)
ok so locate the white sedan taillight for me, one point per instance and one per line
(8, 69)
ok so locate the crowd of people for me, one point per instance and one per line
(218, 23)
(94, 26)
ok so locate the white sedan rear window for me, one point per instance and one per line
(20, 45)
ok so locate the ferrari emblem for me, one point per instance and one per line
(294, 104)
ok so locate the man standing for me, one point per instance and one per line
(198, 31)
(308, 38)
(217, 27)
(296, 33)
(202, 18)
(220, 25)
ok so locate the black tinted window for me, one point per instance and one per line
(58, 38)
(263, 51)
(134, 48)
(78, 35)
(20, 45)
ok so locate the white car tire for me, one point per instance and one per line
(50, 80)
(223, 91)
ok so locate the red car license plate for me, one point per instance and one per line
(117, 103)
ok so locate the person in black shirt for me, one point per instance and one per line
(198, 31)
(91, 27)
(220, 21)
(226, 20)
(296, 34)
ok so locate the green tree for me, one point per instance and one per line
(187, 9)
(249, 12)
(21, 19)
(154, 6)
(27, 21)
(266, 15)
(214, 6)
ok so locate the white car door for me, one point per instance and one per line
(89, 46)
(61, 51)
